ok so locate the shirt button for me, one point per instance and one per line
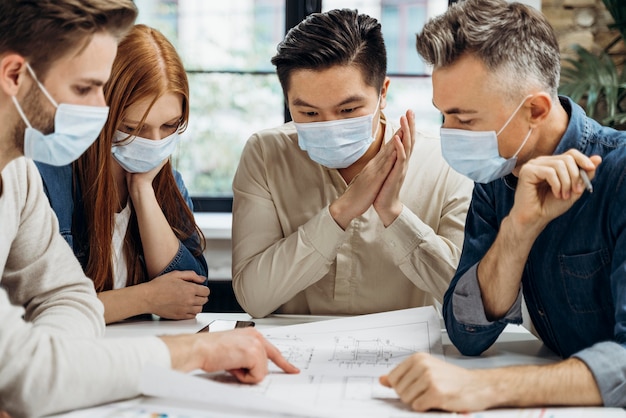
(392, 243)
(541, 312)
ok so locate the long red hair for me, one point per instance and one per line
(146, 67)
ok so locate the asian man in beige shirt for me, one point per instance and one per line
(342, 211)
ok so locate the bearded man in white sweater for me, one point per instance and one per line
(55, 56)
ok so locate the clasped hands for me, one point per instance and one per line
(380, 181)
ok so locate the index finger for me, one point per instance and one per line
(277, 358)
(583, 161)
(397, 373)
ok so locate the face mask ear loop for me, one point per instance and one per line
(379, 117)
(523, 143)
(21, 112)
(514, 113)
(43, 89)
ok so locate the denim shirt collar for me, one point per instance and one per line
(578, 129)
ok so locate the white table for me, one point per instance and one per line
(514, 346)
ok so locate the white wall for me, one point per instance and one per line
(216, 228)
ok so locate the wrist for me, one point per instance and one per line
(526, 223)
(519, 231)
(389, 215)
(137, 189)
(146, 297)
(338, 212)
(184, 351)
(498, 390)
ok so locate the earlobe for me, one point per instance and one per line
(12, 70)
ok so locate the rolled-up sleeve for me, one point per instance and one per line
(607, 362)
(463, 309)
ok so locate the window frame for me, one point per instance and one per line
(295, 12)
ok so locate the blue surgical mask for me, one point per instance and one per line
(76, 127)
(337, 143)
(140, 155)
(475, 153)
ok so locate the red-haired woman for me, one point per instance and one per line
(122, 208)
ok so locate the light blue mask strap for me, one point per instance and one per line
(21, 112)
(43, 89)
(523, 143)
(511, 117)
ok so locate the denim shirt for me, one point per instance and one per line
(66, 199)
(574, 280)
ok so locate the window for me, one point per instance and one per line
(410, 86)
(226, 47)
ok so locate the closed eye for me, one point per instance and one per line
(128, 129)
(82, 91)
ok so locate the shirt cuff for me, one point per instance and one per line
(324, 234)
(607, 362)
(404, 234)
(467, 302)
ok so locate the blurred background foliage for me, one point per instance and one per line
(596, 79)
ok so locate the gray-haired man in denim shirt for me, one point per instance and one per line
(536, 227)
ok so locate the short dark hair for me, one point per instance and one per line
(514, 41)
(43, 31)
(338, 37)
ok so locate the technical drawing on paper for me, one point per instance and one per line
(295, 351)
(340, 361)
(352, 352)
(368, 351)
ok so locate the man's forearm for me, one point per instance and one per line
(500, 270)
(569, 382)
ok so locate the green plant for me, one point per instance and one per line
(595, 81)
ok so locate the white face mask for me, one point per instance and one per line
(475, 154)
(140, 155)
(76, 127)
(337, 143)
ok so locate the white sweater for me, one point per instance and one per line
(52, 356)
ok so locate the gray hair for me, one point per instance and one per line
(515, 42)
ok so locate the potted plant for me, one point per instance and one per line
(595, 80)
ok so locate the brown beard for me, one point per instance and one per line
(38, 115)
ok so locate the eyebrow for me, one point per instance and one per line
(350, 99)
(134, 122)
(455, 110)
(92, 81)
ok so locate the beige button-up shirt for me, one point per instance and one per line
(290, 256)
